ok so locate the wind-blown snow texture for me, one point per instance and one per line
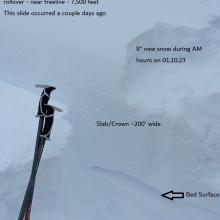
(90, 173)
(18, 126)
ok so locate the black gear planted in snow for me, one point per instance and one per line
(26, 205)
(46, 117)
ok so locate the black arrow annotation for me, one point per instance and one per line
(173, 195)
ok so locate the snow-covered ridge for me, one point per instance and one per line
(19, 126)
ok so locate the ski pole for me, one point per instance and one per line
(45, 135)
(44, 99)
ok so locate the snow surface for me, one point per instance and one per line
(18, 126)
(106, 174)
(185, 98)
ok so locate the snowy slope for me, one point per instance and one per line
(185, 98)
(143, 201)
(19, 126)
(106, 174)
(137, 164)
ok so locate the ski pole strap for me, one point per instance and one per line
(48, 121)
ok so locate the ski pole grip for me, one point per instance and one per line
(44, 99)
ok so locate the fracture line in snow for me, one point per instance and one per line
(126, 177)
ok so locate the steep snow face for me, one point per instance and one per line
(185, 97)
(151, 87)
(19, 126)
